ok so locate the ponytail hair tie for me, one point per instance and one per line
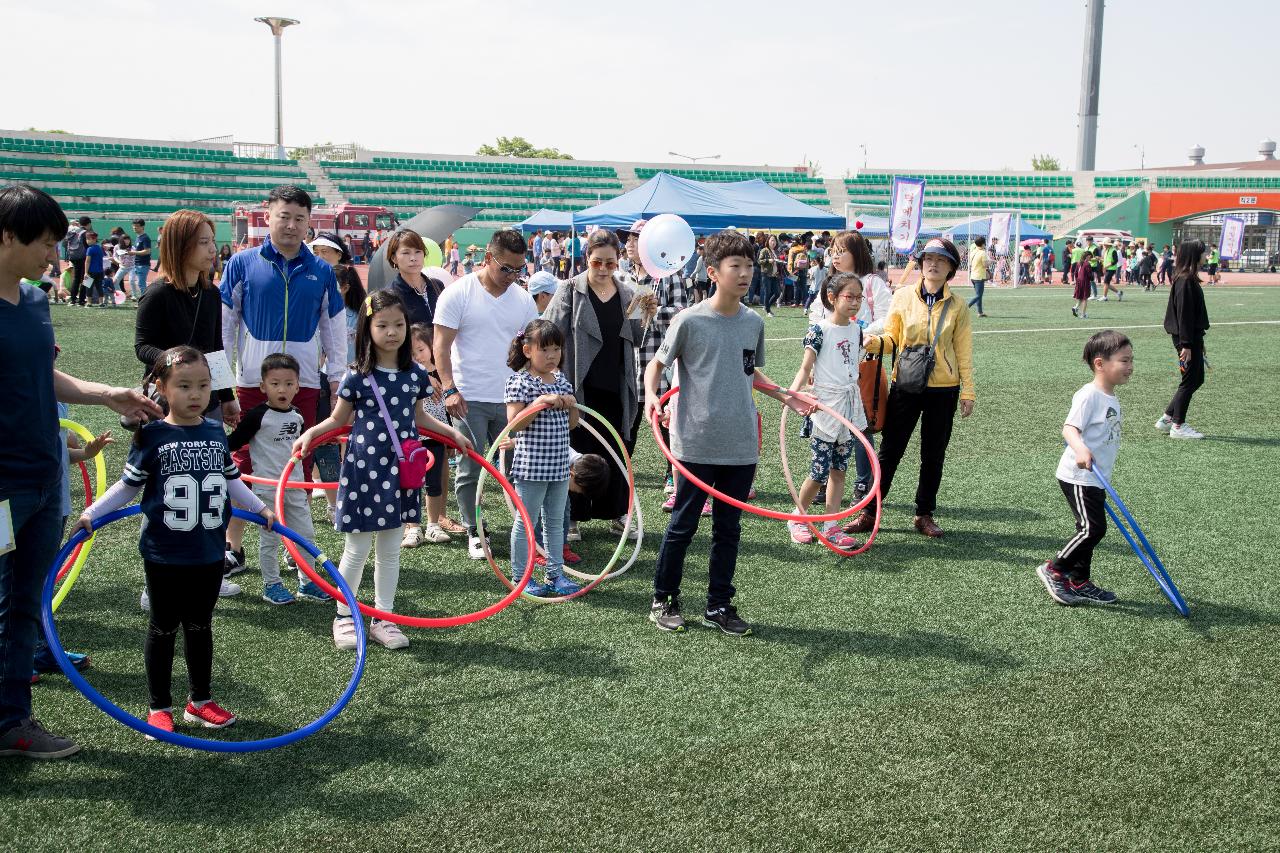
(368, 304)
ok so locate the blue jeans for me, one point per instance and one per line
(768, 291)
(37, 528)
(978, 286)
(538, 495)
(726, 530)
(863, 467)
(139, 276)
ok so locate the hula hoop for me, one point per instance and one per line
(655, 423)
(795, 495)
(139, 725)
(88, 502)
(592, 580)
(100, 469)
(386, 615)
(635, 552)
(1145, 553)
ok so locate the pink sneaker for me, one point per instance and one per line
(706, 508)
(670, 503)
(800, 533)
(751, 495)
(840, 539)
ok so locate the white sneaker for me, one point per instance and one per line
(475, 549)
(229, 589)
(145, 601)
(572, 534)
(1164, 424)
(1184, 431)
(388, 634)
(633, 531)
(344, 632)
(435, 533)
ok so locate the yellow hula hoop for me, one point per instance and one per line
(100, 469)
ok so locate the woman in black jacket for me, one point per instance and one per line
(183, 306)
(406, 252)
(1186, 320)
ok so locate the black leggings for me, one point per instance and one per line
(181, 596)
(1192, 379)
(935, 410)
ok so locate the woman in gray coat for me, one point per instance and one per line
(602, 321)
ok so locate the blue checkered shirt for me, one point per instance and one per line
(542, 447)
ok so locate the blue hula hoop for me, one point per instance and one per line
(1145, 552)
(119, 714)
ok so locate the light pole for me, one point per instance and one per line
(864, 157)
(692, 159)
(1142, 156)
(277, 26)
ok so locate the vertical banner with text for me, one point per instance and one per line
(1232, 237)
(998, 239)
(906, 211)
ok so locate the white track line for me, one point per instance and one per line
(1080, 329)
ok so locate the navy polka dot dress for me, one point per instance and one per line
(369, 494)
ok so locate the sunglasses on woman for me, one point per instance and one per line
(596, 264)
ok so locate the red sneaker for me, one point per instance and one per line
(162, 720)
(209, 715)
(540, 561)
(570, 558)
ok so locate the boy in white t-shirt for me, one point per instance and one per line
(1092, 433)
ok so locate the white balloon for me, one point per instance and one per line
(666, 245)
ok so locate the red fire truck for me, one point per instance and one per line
(348, 220)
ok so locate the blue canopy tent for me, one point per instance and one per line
(981, 227)
(709, 207)
(547, 220)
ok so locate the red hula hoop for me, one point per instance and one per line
(88, 501)
(656, 424)
(304, 561)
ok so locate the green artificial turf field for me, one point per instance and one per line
(927, 694)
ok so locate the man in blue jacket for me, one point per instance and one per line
(279, 297)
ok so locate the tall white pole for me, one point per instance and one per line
(277, 26)
(1087, 141)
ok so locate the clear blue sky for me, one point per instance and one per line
(922, 84)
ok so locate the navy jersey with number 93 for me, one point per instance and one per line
(183, 472)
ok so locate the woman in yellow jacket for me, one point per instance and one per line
(913, 321)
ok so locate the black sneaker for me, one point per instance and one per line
(666, 614)
(233, 562)
(30, 740)
(1056, 583)
(726, 618)
(1092, 593)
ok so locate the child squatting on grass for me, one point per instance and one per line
(1092, 433)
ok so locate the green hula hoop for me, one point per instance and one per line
(632, 503)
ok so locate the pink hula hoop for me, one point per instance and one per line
(655, 423)
(305, 562)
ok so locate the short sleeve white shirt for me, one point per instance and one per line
(1097, 415)
(486, 327)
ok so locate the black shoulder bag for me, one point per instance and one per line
(915, 363)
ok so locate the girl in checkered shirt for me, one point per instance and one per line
(540, 466)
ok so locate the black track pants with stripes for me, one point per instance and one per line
(1088, 505)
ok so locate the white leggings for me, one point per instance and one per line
(386, 565)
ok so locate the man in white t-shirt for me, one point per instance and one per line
(477, 317)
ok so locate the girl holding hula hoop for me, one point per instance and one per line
(832, 352)
(182, 466)
(383, 387)
(540, 465)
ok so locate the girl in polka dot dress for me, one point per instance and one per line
(372, 507)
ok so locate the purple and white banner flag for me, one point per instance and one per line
(1232, 237)
(906, 210)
